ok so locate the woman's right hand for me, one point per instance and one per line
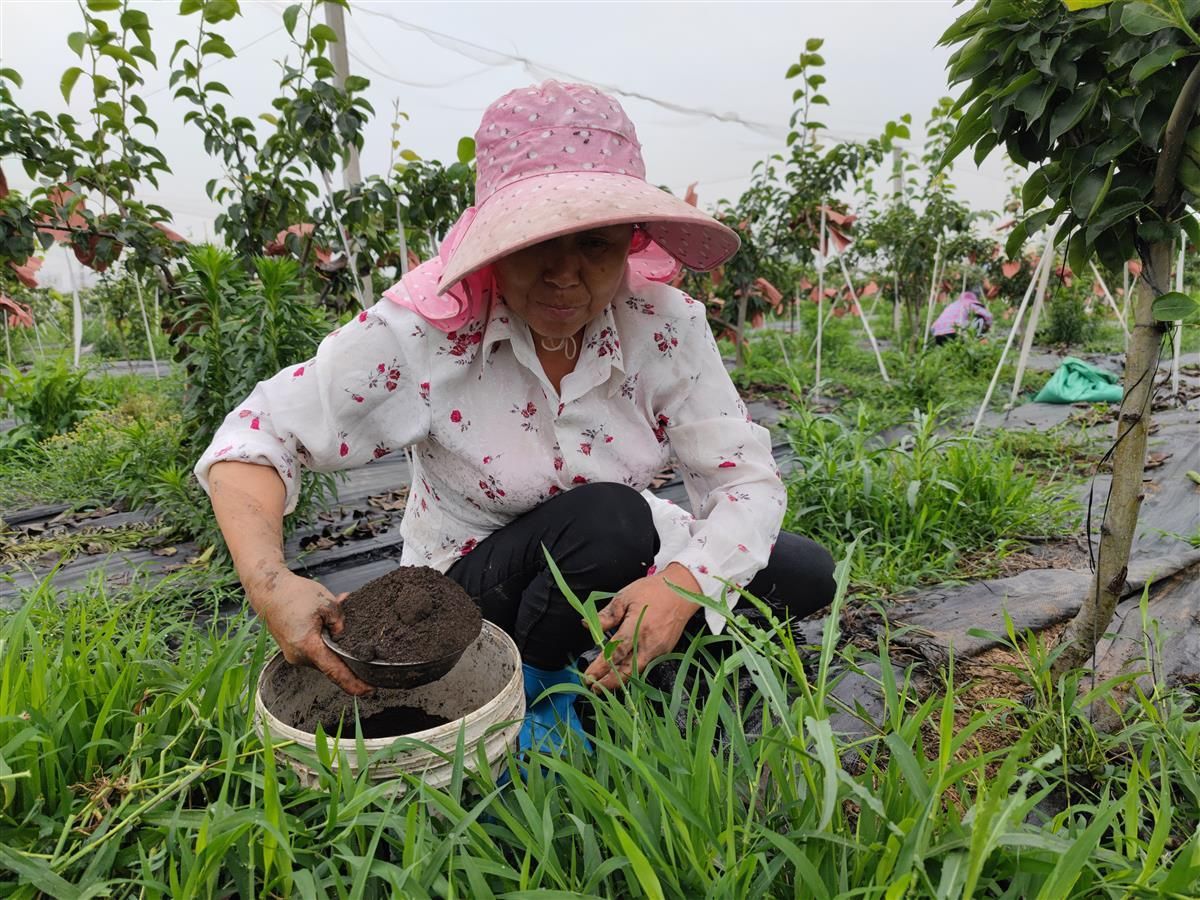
(295, 609)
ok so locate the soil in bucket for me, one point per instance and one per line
(413, 614)
(296, 702)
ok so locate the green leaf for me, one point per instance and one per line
(141, 51)
(1085, 191)
(324, 33)
(12, 75)
(37, 872)
(1070, 113)
(813, 44)
(76, 40)
(1033, 192)
(466, 150)
(133, 19)
(1155, 60)
(1173, 307)
(187, 7)
(220, 10)
(289, 17)
(356, 83)
(410, 155)
(793, 70)
(1146, 18)
(115, 52)
(1077, 5)
(103, 5)
(216, 44)
(67, 83)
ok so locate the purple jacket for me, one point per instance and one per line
(958, 315)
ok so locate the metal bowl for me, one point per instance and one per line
(380, 673)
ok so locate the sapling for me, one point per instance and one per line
(1107, 123)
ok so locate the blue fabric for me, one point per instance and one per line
(547, 719)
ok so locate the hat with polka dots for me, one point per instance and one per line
(559, 158)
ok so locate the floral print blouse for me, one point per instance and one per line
(491, 438)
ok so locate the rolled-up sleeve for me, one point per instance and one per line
(730, 474)
(360, 398)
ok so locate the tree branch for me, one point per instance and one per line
(1173, 137)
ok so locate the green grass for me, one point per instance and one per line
(129, 767)
(918, 508)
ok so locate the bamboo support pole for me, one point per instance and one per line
(76, 308)
(933, 282)
(987, 397)
(1039, 299)
(1111, 301)
(820, 303)
(862, 315)
(362, 289)
(137, 284)
(1177, 327)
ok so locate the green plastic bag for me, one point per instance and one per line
(1078, 382)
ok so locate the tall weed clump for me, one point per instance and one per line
(919, 506)
(234, 329)
(129, 765)
(48, 399)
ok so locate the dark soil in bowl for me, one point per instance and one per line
(413, 614)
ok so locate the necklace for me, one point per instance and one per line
(567, 344)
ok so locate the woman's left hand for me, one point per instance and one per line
(650, 609)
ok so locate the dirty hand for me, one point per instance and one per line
(662, 614)
(295, 610)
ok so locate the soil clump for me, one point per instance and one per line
(413, 614)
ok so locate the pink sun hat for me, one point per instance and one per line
(551, 160)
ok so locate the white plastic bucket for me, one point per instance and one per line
(482, 696)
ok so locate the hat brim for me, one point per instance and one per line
(547, 206)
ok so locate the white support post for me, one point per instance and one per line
(1177, 340)
(1111, 302)
(137, 284)
(1125, 297)
(403, 240)
(933, 282)
(76, 307)
(1027, 342)
(351, 257)
(862, 314)
(987, 397)
(896, 304)
(821, 248)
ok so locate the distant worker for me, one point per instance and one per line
(966, 313)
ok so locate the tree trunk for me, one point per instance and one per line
(741, 331)
(1128, 461)
(1133, 424)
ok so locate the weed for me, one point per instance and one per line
(922, 504)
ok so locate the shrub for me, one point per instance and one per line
(1067, 321)
(46, 400)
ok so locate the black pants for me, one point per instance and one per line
(601, 537)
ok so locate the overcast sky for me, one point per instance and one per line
(446, 61)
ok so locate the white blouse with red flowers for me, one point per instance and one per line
(492, 439)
